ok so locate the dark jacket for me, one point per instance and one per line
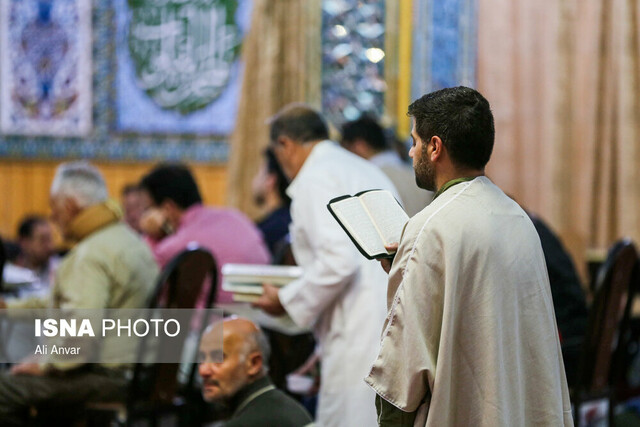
(261, 404)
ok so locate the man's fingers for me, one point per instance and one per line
(392, 247)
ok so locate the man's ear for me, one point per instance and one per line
(270, 181)
(71, 205)
(360, 147)
(254, 363)
(284, 141)
(438, 147)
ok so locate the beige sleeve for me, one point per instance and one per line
(404, 370)
(28, 303)
(84, 285)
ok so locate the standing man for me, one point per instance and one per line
(341, 293)
(366, 138)
(470, 338)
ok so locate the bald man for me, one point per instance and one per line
(241, 380)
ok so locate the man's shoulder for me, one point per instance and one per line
(115, 240)
(212, 217)
(273, 408)
(463, 206)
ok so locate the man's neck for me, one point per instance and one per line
(272, 201)
(442, 179)
(303, 152)
(246, 390)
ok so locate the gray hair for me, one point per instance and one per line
(81, 181)
(261, 344)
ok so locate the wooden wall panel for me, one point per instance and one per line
(24, 186)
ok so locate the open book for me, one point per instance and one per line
(372, 219)
(245, 280)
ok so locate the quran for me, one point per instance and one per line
(372, 219)
(245, 280)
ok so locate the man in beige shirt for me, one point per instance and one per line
(109, 267)
(470, 337)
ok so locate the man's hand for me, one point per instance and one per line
(269, 301)
(27, 368)
(387, 262)
(152, 223)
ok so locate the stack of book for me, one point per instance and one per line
(245, 280)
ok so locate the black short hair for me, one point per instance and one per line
(299, 122)
(273, 167)
(462, 118)
(26, 226)
(367, 129)
(174, 182)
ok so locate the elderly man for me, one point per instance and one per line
(341, 293)
(109, 267)
(471, 337)
(178, 218)
(241, 379)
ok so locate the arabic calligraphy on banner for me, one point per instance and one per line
(45, 67)
(183, 51)
(182, 56)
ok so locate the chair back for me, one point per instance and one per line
(182, 280)
(180, 284)
(3, 259)
(608, 318)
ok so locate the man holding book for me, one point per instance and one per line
(471, 337)
(341, 293)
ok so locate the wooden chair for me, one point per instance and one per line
(3, 259)
(609, 313)
(156, 390)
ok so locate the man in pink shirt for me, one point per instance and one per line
(178, 219)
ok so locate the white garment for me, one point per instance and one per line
(413, 198)
(387, 158)
(341, 294)
(471, 335)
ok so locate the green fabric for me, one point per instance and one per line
(451, 183)
(389, 415)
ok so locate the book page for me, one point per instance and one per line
(387, 213)
(356, 220)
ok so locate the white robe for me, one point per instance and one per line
(342, 294)
(470, 337)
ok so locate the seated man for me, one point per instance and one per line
(241, 380)
(179, 219)
(569, 300)
(110, 267)
(134, 202)
(37, 252)
(269, 193)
